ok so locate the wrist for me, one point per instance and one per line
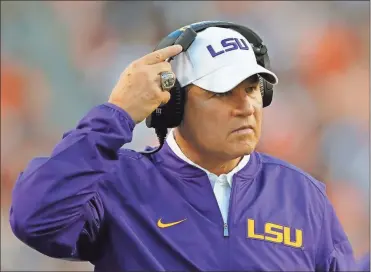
(121, 112)
(121, 107)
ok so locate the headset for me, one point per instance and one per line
(170, 115)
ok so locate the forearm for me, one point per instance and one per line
(56, 199)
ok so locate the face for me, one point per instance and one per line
(225, 125)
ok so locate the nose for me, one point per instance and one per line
(243, 104)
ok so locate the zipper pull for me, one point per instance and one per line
(225, 230)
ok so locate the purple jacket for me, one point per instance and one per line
(95, 201)
(364, 263)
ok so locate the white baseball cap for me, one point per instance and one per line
(218, 60)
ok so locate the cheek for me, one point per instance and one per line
(258, 118)
(210, 124)
(207, 123)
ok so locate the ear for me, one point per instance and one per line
(186, 90)
(188, 87)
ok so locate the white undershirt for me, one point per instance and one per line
(221, 184)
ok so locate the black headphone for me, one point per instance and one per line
(170, 115)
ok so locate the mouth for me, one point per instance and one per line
(244, 130)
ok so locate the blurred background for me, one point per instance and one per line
(59, 59)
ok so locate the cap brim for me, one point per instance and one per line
(228, 77)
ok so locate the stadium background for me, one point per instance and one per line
(58, 59)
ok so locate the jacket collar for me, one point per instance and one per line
(176, 149)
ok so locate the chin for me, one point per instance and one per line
(241, 150)
(242, 144)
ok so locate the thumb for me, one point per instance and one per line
(165, 97)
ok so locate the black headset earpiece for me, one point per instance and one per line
(266, 87)
(170, 115)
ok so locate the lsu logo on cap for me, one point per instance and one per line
(228, 44)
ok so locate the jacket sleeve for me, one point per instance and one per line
(335, 252)
(56, 208)
(364, 263)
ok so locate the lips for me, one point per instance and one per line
(243, 128)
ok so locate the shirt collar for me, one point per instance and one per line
(176, 149)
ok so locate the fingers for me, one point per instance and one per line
(157, 69)
(165, 97)
(161, 67)
(161, 55)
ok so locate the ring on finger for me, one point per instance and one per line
(167, 80)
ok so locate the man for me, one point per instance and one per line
(205, 201)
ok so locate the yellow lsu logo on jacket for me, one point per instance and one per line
(276, 234)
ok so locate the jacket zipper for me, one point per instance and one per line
(227, 224)
(225, 230)
(224, 224)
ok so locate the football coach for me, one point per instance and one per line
(204, 199)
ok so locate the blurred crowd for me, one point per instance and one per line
(59, 59)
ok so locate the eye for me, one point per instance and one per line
(223, 94)
(251, 89)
